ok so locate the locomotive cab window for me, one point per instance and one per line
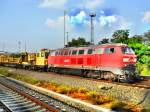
(127, 50)
(109, 50)
(81, 52)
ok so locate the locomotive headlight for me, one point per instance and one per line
(134, 60)
(126, 59)
(129, 59)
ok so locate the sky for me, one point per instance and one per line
(39, 23)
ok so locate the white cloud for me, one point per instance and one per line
(93, 4)
(56, 27)
(124, 24)
(53, 3)
(108, 24)
(107, 20)
(114, 21)
(80, 18)
(58, 23)
(146, 17)
(105, 26)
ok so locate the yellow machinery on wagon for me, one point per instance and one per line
(42, 59)
(36, 61)
(28, 60)
(9, 59)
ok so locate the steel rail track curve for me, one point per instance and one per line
(15, 97)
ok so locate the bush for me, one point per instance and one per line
(92, 94)
(63, 89)
(97, 98)
(116, 105)
(54, 83)
(73, 90)
(82, 90)
(81, 96)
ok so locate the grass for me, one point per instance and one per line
(145, 71)
(4, 71)
(25, 78)
(96, 98)
(79, 93)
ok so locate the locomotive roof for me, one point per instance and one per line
(93, 46)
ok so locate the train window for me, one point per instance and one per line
(42, 54)
(74, 52)
(127, 50)
(66, 53)
(46, 54)
(69, 52)
(56, 53)
(90, 51)
(110, 50)
(81, 52)
(100, 50)
(62, 53)
(52, 53)
(38, 54)
(59, 53)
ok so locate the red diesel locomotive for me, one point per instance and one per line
(106, 61)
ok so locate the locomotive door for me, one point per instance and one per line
(109, 57)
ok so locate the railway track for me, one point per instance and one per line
(144, 83)
(15, 97)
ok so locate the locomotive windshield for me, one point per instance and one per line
(127, 50)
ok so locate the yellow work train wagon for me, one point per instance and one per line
(42, 59)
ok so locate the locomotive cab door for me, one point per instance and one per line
(109, 57)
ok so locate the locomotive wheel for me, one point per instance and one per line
(103, 75)
(111, 76)
(89, 74)
(85, 74)
(92, 74)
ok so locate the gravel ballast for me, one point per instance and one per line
(127, 94)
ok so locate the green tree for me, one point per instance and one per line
(120, 36)
(104, 41)
(135, 39)
(78, 42)
(147, 35)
